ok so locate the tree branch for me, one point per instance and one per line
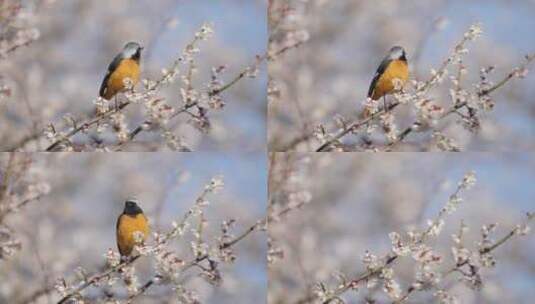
(458, 267)
(355, 125)
(456, 107)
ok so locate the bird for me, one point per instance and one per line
(125, 65)
(393, 68)
(130, 222)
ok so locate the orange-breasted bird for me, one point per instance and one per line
(131, 222)
(393, 68)
(124, 65)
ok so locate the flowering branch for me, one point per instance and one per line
(159, 113)
(83, 126)
(379, 269)
(354, 126)
(518, 72)
(483, 251)
(13, 35)
(169, 267)
(197, 260)
(227, 244)
(103, 113)
(428, 111)
(376, 267)
(214, 93)
(92, 280)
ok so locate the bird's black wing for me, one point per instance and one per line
(113, 65)
(117, 234)
(118, 222)
(380, 70)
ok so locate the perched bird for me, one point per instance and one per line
(130, 222)
(393, 68)
(124, 65)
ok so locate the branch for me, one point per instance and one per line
(146, 123)
(215, 92)
(436, 76)
(355, 125)
(256, 226)
(485, 250)
(361, 278)
(85, 125)
(164, 79)
(392, 256)
(97, 277)
(199, 259)
(458, 106)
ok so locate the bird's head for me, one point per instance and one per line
(132, 50)
(397, 53)
(131, 207)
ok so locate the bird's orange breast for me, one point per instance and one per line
(128, 68)
(397, 69)
(127, 226)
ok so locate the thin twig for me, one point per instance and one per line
(361, 278)
(458, 267)
(460, 105)
(199, 259)
(390, 258)
(106, 115)
(256, 226)
(355, 125)
(86, 125)
(98, 277)
(217, 91)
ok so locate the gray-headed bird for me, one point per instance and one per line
(393, 68)
(124, 65)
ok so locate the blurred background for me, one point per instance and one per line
(60, 73)
(330, 73)
(74, 225)
(358, 199)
